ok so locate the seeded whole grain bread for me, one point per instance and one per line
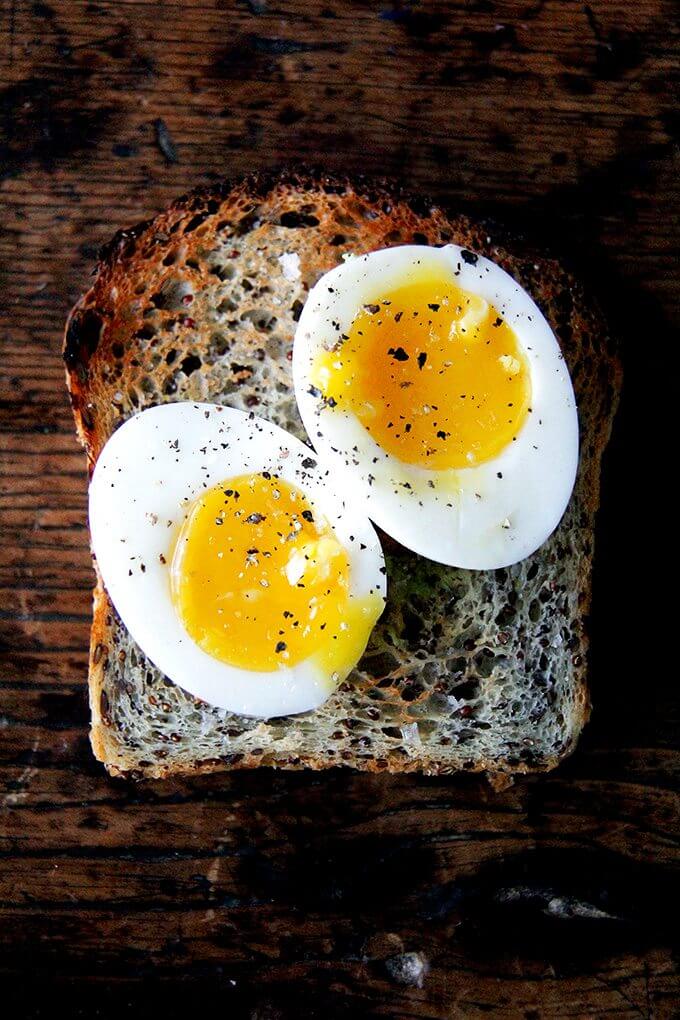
(465, 670)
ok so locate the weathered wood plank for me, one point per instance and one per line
(278, 896)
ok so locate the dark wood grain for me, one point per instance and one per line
(275, 896)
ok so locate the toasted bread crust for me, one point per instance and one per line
(105, 342)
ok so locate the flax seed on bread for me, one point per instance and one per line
(466, 670)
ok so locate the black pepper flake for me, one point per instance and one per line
(162, 558)
(314, 392)
(498, 322)
(469, 257)
(309, 462)
(266, 474)
(434, 307)
(442, 435)
(332, 402)
(308, 516)
(255, 518)
(397, 317)
(398, 353)
(219, 521)
(372, 308)
(499, 474)
(280, 646)
(422, 358)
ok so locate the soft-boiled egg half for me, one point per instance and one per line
(232, 558)
(432, 384)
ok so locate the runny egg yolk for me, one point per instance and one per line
(434, 373)
(261, 582)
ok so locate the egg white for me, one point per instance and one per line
(148, 474)
(480, 517)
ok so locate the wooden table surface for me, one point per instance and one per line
(270, 895)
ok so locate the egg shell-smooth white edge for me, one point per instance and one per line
(486, 516)
(139, 495)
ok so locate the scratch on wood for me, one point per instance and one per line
(612, 986)
(12, 26)
(164, 141)
(21, 787)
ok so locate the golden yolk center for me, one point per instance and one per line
(260, 581)
(434, 374)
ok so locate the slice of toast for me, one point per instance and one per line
(465, 670)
